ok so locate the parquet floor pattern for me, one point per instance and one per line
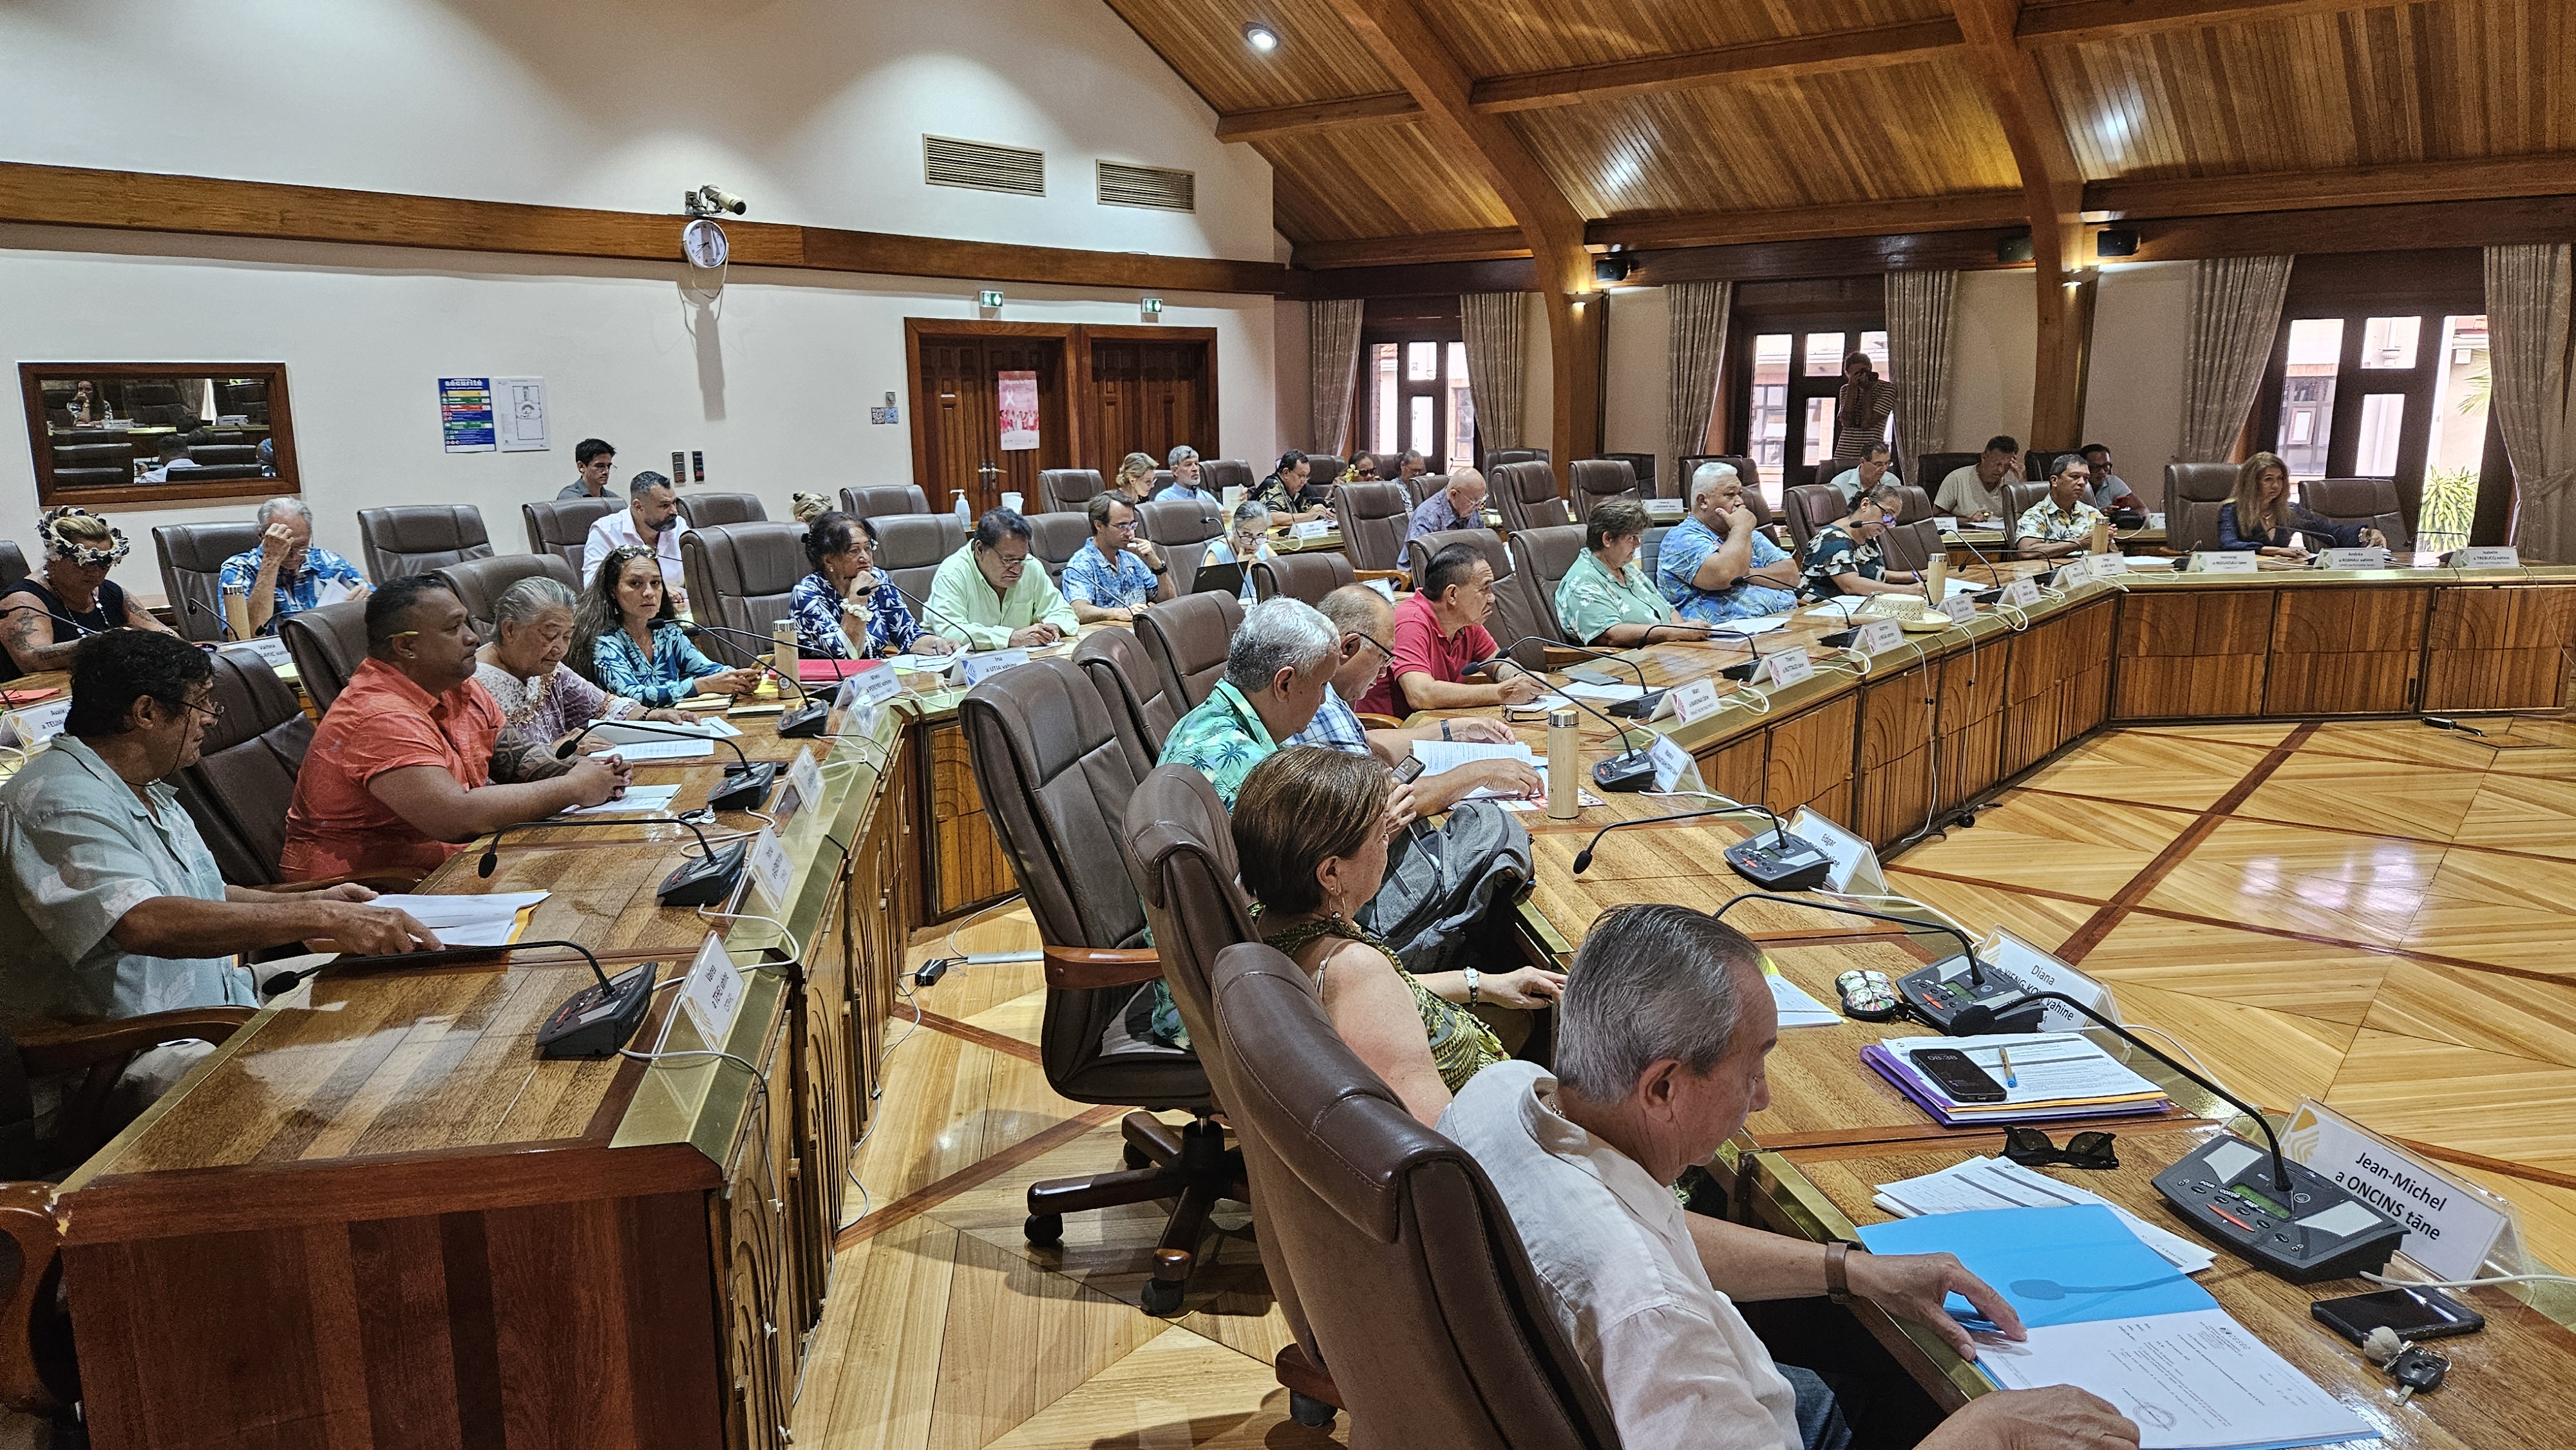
(2377, 915)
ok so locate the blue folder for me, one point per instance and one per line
(2055, 1265)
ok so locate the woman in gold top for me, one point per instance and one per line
(1310, 829)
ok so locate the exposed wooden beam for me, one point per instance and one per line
(1404, 251)
(1284, 120)
(214, 206)
(2546, 175)
(2410, 226)
(2110, 19)
(1797, 55)
(1964, 211)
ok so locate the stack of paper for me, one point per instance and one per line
(2054, 1075)
(648, 732)
(639, 800)
(1981, 1183)
(641, 750)
(1606, 694)
(467, 921)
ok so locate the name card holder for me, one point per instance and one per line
(985, 664)
(2485, 558)
(1311, 529)
(2353, 559)
(2223, 561)
(712, 993)
(1694, 701)
(1879, 636)
(2021, 594)
(2103, 566)
(1961, 608)
(1788, 667)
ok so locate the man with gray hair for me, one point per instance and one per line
(1660, 1039)
(1277, 669)
(1459, 506)
(1185, 487)
(1715, 567)
(1842, 557)
(650, 520)
(284, 575)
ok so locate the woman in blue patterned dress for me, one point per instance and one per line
(847, 609)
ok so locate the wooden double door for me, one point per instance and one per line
(1102, 393)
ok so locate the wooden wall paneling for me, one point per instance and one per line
(1893, 768)
(1811, 761)
(2345, 651)
(758, 1249)
(968, 867)
(1736, 768)
(2198, 654)
(2499, 648)
(1144, 389)
(1974, 686)
(828, 1098)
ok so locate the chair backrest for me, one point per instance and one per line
(1527, 494)
(1810, 506)
(244, 778)
(1501, 456)
(2369, 501)
(1418, 552)
(1408, 1272)
(1179, 848)
(878, 500)
(1216, 475)
(562, 525)
(1540, 559)
(327, 644)
(1325, 468)
(704, 510)
(1182, 529)
(192, 562)
(13, 564)
(1066, 490)
(740, 577)
(1373, 519)
(1598, 478)
(415, 538)
(1308, 576)
(2194, 493)
(1932, 469)
(1911, 543)
(478, 582)
(1142, 714)
(1187, 639)
(1056, 538)
(910, 548)
(1641, 466)
(1422, 486)
(1515, 615)
(2017, 500)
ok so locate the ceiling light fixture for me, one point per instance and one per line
(1261, 37)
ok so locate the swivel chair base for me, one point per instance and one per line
(1191, 1163)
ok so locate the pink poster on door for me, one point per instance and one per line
(1019, 412)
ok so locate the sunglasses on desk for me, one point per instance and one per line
(2031, 1148)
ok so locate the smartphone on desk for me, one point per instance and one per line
(1959, 1075)
(2408, 1313)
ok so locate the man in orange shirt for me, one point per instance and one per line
(414, 759)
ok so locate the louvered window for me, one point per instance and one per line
(1154, 186)
(946, 161)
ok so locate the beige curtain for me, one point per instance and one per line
(1698, 345)
(2235, 317)
(1492, 323)
(1333, 361)
(2529, 289)
(1920, 306)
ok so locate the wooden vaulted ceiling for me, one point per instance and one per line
(1684, 122)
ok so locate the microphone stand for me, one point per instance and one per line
(746, 786)
(965, 641)
(1745, 671)
(802, 723)
(1934, 997)
(1639, 708)
(595, 1021)
(1629, 771)
(707, 880)
(222, 621)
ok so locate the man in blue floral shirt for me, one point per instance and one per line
(1277, 668)
(1115, 573)
(284, 575)
(1715, 566)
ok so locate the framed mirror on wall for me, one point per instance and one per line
(126, 433)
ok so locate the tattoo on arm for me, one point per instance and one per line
(518, 759)
(32, 652)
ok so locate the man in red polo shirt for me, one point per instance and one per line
(402, 771)
(1439, 631)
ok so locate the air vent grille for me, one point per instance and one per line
(946, 161)
(1154, 186)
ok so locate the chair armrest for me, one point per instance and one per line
(1379, 722)
(1395, 577)
(30, 1373)
(1557, 656)
(1076, 969)
(54, 1047)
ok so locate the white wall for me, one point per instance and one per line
(2141, 358)
(1636, 376)
(1992, 337)
(1293, 366)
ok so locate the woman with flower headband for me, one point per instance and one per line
(43, 618)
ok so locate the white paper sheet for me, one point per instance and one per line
(2190, 1380)
(1606, 694)
(2049, 1066)
(654, 732)
(660, 750)
(1438, 756)
(1980, 1183)
(466, 921)
(639, 800)
(332, 591)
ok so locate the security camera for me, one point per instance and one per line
(710, 199)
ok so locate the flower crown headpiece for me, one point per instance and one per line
(63, 546)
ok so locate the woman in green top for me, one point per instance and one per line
(1608, 598)
(1310, 830)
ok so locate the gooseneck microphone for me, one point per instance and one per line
(1935, 997)
(746, 785)
(808, 718)
(1637, 709)
(1752, 643)
(595, 1021)
(965, 641)
(222, 621)
(706, 880)
(285, 980)
(1583, 858)
(1630, 770)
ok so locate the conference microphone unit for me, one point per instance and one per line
(746, 782)
(1979, 555)
(802, 723)
(1774, 861)
(1630, 770)
(1743, 673)
(707, 880)
(2285, 1218)
(1934, 995)
(593, 1022)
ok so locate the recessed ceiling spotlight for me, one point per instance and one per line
(1261, 37)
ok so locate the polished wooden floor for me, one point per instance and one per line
(2375, 915)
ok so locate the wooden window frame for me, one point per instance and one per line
(40, 444)
(1849, 305)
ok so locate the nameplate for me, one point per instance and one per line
(271, 649)
(2450, 1228)
(1671, 762)
(2040, 972)
(1962, 608)
(712, 993)
(1694, 701)
(1945, 525)
(870, 687)
(1879, 636)
(2102, 566)
(2485, 558)
(2021, 594)
(1855, 864)
(805, 776)
(2224, 561)
(2155, 521)
(984, 664)
(1789, 667)
(34, 725)
(1311, 529)
(770, 872)
(2355, 558)
(2074, 571)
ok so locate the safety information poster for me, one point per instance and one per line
(465, 415)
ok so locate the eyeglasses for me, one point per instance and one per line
(214, 711)
(2031, 1148)
(1352, 641)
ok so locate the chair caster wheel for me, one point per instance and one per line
(1308, 1411)
(1134, 1159)
(1162, 1298)
(1044, 1229)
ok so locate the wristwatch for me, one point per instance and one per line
(1444, 729)
(1473, 981)
(1837, 1273)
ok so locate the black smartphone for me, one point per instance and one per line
(1410, 769)
(2408, 1313)
(1959, 1076)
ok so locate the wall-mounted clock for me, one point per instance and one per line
(703, 243)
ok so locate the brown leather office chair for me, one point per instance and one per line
(192, 562)
(1131, 690)
(562, 525)
(1515, 615)
(1418, 552)
(1325, 468)
(1373, 518)
(2194, 493)
(327, 644)
(910, 548)
(1308, 576)
(244, 778)
(1216, 475)
(704, 510)
(1186, 640)
(1411, 1280)
(13, 563)
(740, 577)
(1540, 560)
(1809, 507)
(2370, 502)
(880, 500)
(1527, 494)
(1502, 457)
(1595, 479)
(1911, 543)
(1057, 537)
(2019, 499)
(415, 538)
(478, 582)
(1056, 779)
(1066, 490)
(1182, 531)
(1641, 467)
(1422, 486)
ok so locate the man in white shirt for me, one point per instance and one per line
(1974, 492)
(650, 520)
(1661, 1035)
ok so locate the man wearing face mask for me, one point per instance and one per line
(650, 520)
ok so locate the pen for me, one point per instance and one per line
(2011, 1079)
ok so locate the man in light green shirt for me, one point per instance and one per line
(989, 592)
(1607, 599)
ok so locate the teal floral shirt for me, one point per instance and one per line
(1222, 739)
